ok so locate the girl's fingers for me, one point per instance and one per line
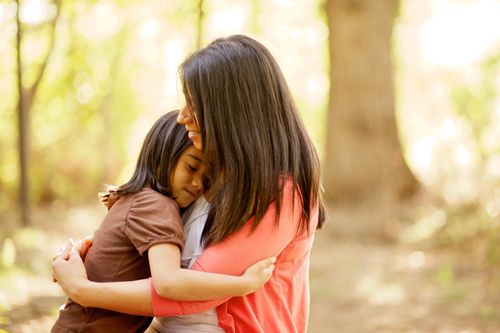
(64, 255)
(74, 254)
(269, 261)
(59, 251)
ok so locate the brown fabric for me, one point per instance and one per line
(119, 253)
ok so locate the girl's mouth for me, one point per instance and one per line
(191, 193)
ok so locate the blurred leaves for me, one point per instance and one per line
(82, 112)
(112, 72)
(476, 102)
(8, 253)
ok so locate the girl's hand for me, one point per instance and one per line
(258, 274)
(69, 271)
(83, 246)
(103, 198)
(108, 198)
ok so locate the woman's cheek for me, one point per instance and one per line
(196, 139)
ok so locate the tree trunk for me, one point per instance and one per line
(25, 102)
(363, 161)
(199, 25)
(22, 113)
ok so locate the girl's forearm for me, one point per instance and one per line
(189, 285)
(132, 297)
(172, 282)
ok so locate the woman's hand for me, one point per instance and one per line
(259, 273)
(82, 247)
(69, 271)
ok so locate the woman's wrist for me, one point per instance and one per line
(78, 290)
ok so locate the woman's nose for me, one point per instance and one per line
(184, 116)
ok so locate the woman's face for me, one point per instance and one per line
(187, 177)
(187, 118)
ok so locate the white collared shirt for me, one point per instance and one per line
(194, 219)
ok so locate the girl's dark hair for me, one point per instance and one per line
(253, 136)
(159, 155)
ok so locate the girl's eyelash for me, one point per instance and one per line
(190, 167)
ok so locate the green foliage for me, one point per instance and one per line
(489, 312)
(81, 115)
(493, 248)
(474, 225)
(475, 232)
(476, 102)
(8, 253)
(445, 275)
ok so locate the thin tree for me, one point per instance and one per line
(26, 96)
(199, 24)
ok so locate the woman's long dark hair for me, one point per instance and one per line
(159, 155)
(253, 136)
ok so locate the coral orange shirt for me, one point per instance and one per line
(282, 305)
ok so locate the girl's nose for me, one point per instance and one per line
(197, 182)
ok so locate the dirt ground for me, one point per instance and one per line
(357, 285)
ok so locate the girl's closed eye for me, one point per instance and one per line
(186, 183)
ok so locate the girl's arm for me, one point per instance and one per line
(171, 281)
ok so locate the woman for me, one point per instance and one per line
(265, 201)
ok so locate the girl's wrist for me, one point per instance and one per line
(248, 285)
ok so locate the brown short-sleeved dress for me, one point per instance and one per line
(119, 253)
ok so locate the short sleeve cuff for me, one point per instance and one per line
(170, 240)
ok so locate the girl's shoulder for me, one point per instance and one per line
(150, 197)
(146, 202)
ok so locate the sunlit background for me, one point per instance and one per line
(112, 71)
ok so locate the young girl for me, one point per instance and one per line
(143, 233)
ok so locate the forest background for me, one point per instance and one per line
(402, 99)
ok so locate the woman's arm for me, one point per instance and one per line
(132, 297)
(171, 281)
